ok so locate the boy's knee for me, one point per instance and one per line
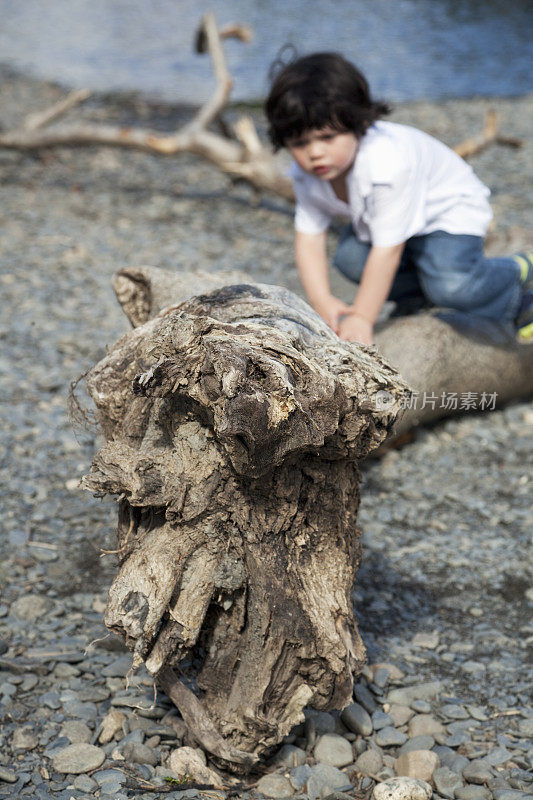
(450, 290)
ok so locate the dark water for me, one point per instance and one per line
(409, 49)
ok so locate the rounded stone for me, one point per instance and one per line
(421, 706)
(418, 743)
(321, 720)
(83, 711)
(118, 668)
(395, 674)
(369, 762)
(458, 764)
(473, 792)
(288, 756)
(454, 711)
(381, 720)
(473, 667)
(357, 719)
(498, 755)
(192, 761)
(455, 740)
(385, 774)
(78, 732)
(390, 737)
(446, 755)
(111, 725)
(400, 714)
(402, 789)
(509, 794)
(478, 771)
(78, 758)
(24, 739)
(419, 691)
(31, 607)
(324, 779)
(381, 677)
(364, 697)
(7, 775)
(333, 750)
(138, 753)
(111, 776)
(446, 782)
(85, 784)
(299, 776)
(274, 786)
(425, 725)
(525, 726)
(417, 764)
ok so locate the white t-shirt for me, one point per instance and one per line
(402, 183)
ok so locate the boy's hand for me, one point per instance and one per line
(354, 328)
(331, 309)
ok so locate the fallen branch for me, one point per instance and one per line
(240, 154)
(238, 158)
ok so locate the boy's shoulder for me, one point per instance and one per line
(385, 149)
(390, 150)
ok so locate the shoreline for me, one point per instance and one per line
(9, 72)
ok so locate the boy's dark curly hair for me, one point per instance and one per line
(318, 91)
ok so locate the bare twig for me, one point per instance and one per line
(488, 135)
(94, 641)
(234, 30)
(42, 118)
(224, 81)
(45, 545)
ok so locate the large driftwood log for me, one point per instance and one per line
(442, 355)
(234, 423)
(455, 362)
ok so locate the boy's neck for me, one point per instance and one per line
(340, 188)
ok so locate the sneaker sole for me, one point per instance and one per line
(526, 332)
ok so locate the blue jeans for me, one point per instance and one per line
(443, 269)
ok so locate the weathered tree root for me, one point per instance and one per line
(234, 424)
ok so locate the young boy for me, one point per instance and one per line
(418, 213)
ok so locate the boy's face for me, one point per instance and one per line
(326, 153)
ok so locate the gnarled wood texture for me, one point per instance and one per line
(234, 423)
(437, 352)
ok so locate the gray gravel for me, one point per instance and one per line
(443, 592)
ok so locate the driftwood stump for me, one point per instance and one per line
(234, 423)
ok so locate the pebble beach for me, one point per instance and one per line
(444, 594)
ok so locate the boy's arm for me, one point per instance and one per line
(380, 268)
(313, 268)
